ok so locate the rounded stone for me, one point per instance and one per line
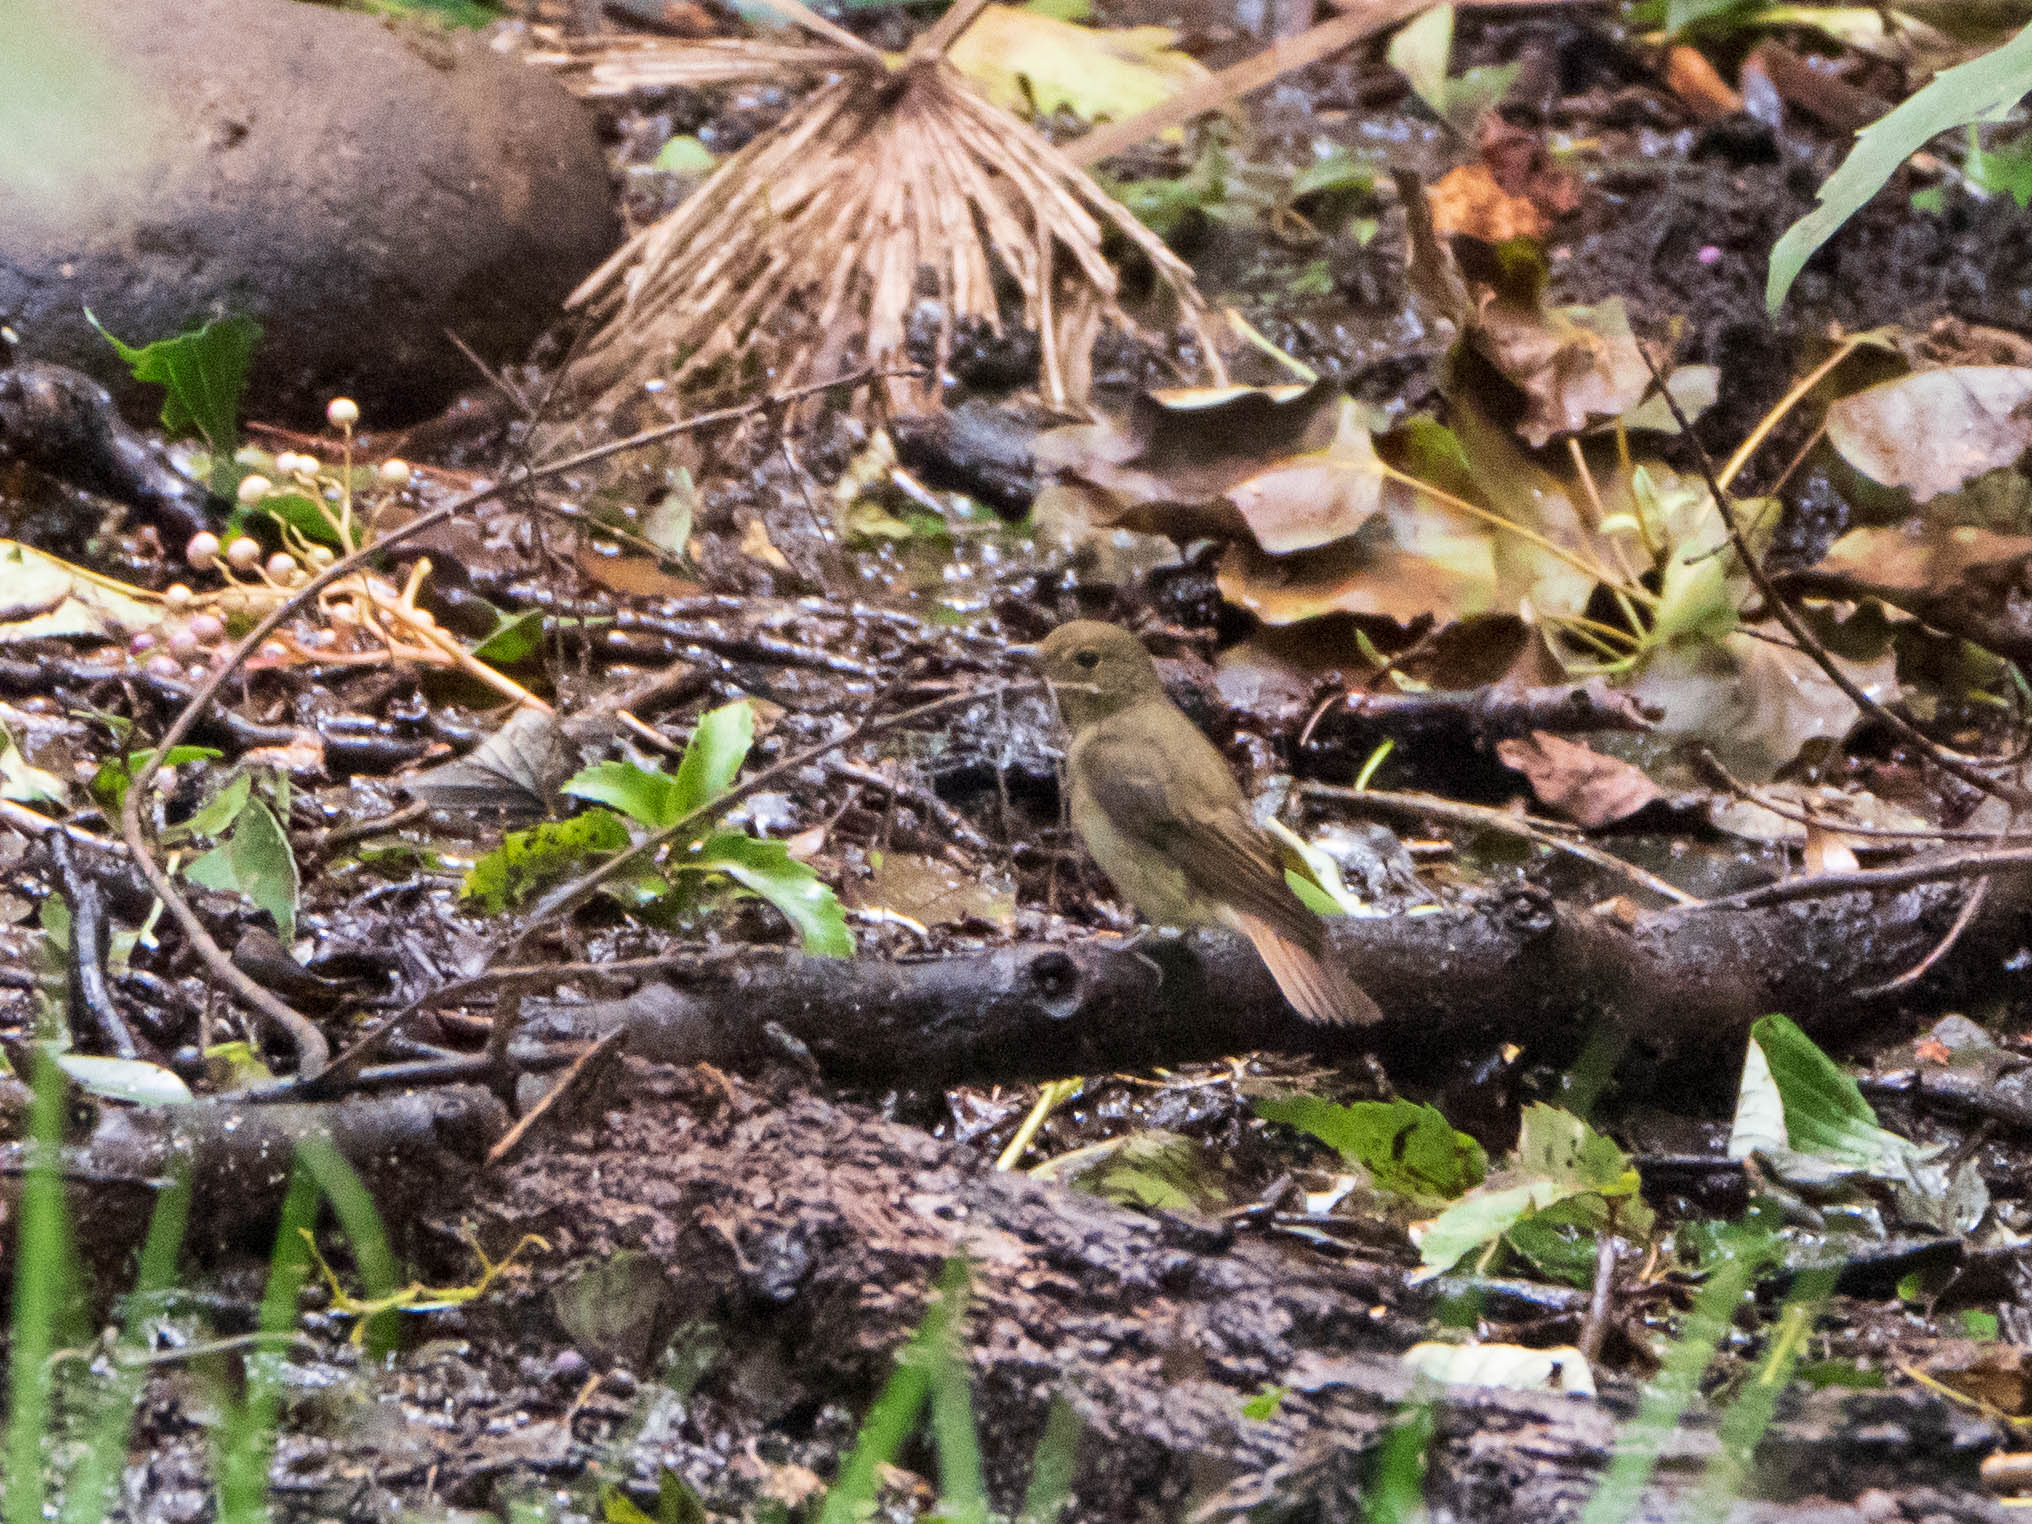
(358, 187)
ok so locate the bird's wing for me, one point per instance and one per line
(1162, 783)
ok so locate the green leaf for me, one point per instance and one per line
(109, 783)
(527, 861)
(125, 1079)
(1405, 1147)
(204, 372)
(643, 794)
(255, 861)
(1970, 92)
(767, 868)
(22, 781)
(1339, 171)
(1265, 1403)
(2006, 170)
(515, 638)
(1681, 14)
(297, 512)
(1825, 1113)
(684, 155)
(216, 815)
(1421, 52)
(1559, 1159)
(718, 748)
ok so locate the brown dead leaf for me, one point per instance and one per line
(1931, 1050)
(1933, 430)
(1576, 780)
(1699, 85)
(1937, 558)
(1574, 364)
(1294, 467)
(1418, 557)
(1993, 1372)
(1467, 199)
(936, 893)
(1755, 697)
(1524, 166)
(1958, 578)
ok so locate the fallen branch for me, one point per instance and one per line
(1513, 967)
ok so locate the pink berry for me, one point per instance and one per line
(207, 627)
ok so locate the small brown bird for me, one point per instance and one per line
(1166, 820)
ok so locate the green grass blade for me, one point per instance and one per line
(1744, 1423)
(1621, 1491)
(247, 1432)
(353, 1205)
(894, 1416)
(85, 1500)
(1051, 1469)
(963, 1488)
(1953, 98)
(1395, 1493)
(42, 1275)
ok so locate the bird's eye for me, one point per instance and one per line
(1088, 659)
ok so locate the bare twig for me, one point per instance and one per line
(1928, 870)
(1919, 970)
(1482, 817)
(1238, 80)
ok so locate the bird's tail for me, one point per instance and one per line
(1318, 988)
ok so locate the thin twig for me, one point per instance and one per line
(313, 1053)
(1797, 627)
(1918, 971)
(1244, 78)
(1930, 870)
(1483, 817)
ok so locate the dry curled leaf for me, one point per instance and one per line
(1588, 788)
(1292, 467)
(1933, 430)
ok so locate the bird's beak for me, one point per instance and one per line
(1027, 652)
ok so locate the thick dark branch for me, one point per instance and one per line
(1515, 967)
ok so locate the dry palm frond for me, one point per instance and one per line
(892, 180)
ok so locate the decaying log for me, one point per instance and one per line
(806, 1233)
(415, 1151)
(1508, 967)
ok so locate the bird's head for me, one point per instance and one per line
(1096, 670)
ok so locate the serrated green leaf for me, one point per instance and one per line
(255, 860)
(643, 794)
(1406, 1147)
(531, 860)
(1953, 98)
(717, 749)
(768, 869)
(1559, 1159)
(203, 372)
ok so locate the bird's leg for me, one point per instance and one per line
(1144, 933)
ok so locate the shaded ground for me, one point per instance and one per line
(783, 1233)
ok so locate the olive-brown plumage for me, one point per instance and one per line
(1165, 819)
